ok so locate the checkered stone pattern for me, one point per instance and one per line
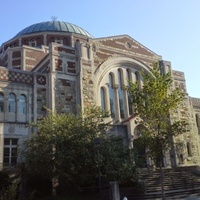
(16, 77)
(4, 75)
(41, 80)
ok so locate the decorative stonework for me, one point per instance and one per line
(6, 75)
(65, 95)
(11, 129)
(41, 80)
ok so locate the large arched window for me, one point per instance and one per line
(22, 104)
(128, 77)
(1, 102)
(103, 100)
(121, 94)
(112, 96)
(11, 103)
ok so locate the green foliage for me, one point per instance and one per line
(4, 183)
(154, 103)
(64, 147)
(8, 188)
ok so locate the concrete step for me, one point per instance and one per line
(176, 183)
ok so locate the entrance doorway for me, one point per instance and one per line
(139, 153)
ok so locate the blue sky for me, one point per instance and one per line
(170, 28)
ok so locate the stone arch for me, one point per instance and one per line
(106, 66)
(115, 63)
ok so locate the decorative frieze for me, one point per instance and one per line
(6, 75)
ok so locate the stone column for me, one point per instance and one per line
(114, 191)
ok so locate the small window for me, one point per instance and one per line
(65, 41)
(1, 102)
(59, 41)
(22, 104)
(10, 151)
(11, 103)
(32, 43)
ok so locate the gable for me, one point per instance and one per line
(126, 44)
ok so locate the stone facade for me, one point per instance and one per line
(64, 70)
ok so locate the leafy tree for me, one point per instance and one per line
(5, 182)
(64, 147)
(8, 186)
(154, 103)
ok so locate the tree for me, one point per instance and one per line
(64, 147)
(154, 103)
(8, 186)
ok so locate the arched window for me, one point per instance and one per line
(22, 104)
(130, 107)
(11, 103)
(120, 94)
(103, 102)
(112, 96)
(1, 102)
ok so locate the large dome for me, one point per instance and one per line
(54, 26)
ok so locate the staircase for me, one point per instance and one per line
(176, 183)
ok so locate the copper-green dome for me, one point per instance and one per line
(54, 26)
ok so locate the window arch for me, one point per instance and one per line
(1, 102)
(121, 94)
(112, 96)
(11, 103)
(22, 104)
(103, 100)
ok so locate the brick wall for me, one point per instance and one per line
(32, 58)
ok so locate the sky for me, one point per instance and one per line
(170, 28)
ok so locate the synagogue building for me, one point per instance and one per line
(61, 66)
